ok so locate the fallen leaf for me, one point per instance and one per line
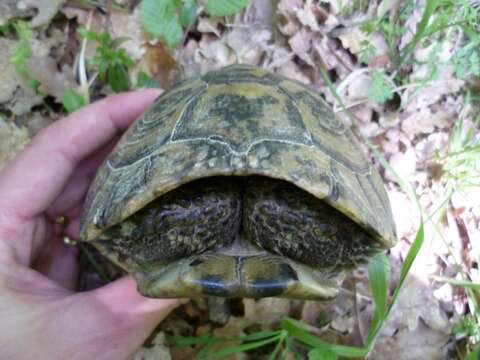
(9, 9)
(417, 328)
(158, 350)
(46, 10)
(248, 43)
(52, 81)
(10, 79)
(127, 25)
(288, 23)
(23, 100)
(301, 45)
(424, 121)
(161, 65)
(12, 140)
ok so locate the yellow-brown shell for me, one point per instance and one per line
(240, 120)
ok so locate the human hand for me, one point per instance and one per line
(41, 317)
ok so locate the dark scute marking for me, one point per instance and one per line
(235, 108)
(328, 123)
(237, 122)
(336, 155)
(335, 191)
(294, 116)
(239, 74)
(214, 285)
(321, 111)
(274, 286)
(195, 262)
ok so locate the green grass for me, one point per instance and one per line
(22, 51)
(169, 19)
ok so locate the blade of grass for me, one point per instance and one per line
(273, 355)
(430, 7)
(407, 264)
(378, 277)
(191, 340)
(260, 335)
(322, 354)
(229, 350)
(463, 283)
(296, 329)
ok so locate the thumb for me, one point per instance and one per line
(117, 319)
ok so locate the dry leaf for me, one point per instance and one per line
(46, 10)
(12, 140)
(9, 9)
(248, 43)
(10, 79)
(288, 23)
(158, 350)
(52, 81)
(417, 328)
(301, 45)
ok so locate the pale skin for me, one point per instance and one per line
(41, 315)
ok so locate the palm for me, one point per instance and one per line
(42, 316)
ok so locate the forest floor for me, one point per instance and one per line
(404, 75)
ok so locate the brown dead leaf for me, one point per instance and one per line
(52, 81)
(288, 23)
(307, 17)
(9, 9)
(265, 313)
(424, 120)
(12, 140)
(209, 25)
(10, 79)
(214, 53)
(261, 13)
(23, 100)
(128, 25)
(161, 65)
(301, 45)
(46, 10)
(417, 327)
(291, 70)
(248, 43)
(158, 350)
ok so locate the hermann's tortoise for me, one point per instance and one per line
(238, 183)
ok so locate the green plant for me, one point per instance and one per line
(22, 52)
(468, 326)
(145, 81)
(110, 61)
(380, 89)
(6, 28)
(167, 19)
(73, 101)
(461, 163)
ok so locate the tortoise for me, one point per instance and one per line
(239, 183)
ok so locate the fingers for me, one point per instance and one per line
(59, 263)
(123, 315)
(38, 175)
(122, 298)
(75, 190)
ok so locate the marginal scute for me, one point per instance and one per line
(239, 120)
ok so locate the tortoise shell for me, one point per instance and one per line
(239, 121)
